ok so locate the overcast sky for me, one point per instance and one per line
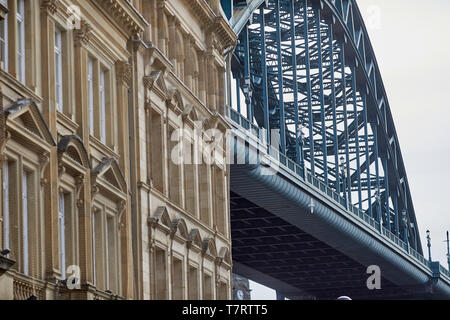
(412, 44)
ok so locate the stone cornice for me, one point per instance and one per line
(125, 15)
(205, 13)
(224, 32)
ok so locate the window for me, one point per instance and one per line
(105, 250)
(111, 255)
(207, 287)
(223, 291)
(97, 249)
(178, 281)
(174, 167)
(193, 283)
(22, 217)
(12, 198)
(160, 273)
(102, 107)
(25, 247)
(6, 206)
(189, 176)
(21, 39)
(4, 40)
(156, 151)
(62, 233)
(67, 225)
(58, 70)
(100, 102)
(90, 80)
(204, 192)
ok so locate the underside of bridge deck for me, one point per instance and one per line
(277, 249)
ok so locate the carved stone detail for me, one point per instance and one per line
(123, 71)
(61, 170)
(94, 191)
(79, 183)
(117, 10)
(44, 183)
(51, 6)
(80, 204)
(148, 82)
(82, 35)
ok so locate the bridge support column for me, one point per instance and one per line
(356, 121)
(308, 88)
(264, 76)
(333, 106)
(368, 162)
(280, 78)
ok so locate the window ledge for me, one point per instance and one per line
(18, 87)
(67, 123)
(102, 148)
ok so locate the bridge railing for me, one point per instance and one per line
(305, 175)
(444, 271)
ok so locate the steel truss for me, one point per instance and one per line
(308, 70)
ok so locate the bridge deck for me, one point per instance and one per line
(272, 246)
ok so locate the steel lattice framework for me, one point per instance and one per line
(307, 69)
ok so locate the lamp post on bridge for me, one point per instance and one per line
(344, 180)
(448, 251)
(429, 245)
(378, 206)
(301, 142)
(248, 98)
(405, 229)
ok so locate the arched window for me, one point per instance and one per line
(73, 163)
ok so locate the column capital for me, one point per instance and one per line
(50, 6)
(82, 35)
(123, 72)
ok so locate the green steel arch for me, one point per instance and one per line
(306, 69)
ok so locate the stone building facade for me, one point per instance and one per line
(106, 110)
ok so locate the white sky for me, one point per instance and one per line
(411, 42)
(412, 45)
